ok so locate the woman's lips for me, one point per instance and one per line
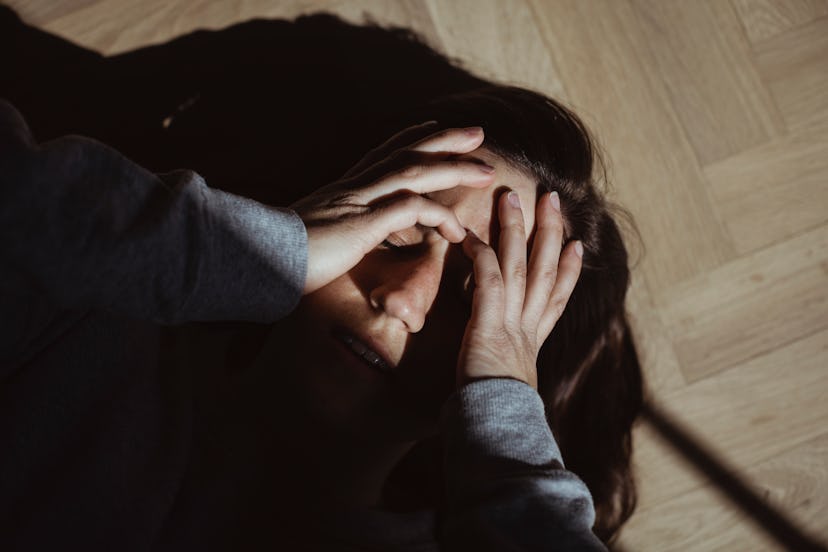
(365, 351)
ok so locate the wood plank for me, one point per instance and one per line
(118, 26)
(748, 414)
(413, 14)
(763, 19)
(794, 482)
(42, 12)
(705, 61)
(795, 67)
(700, 521)
(499, 41)
(605, 63)
(775, 191)
(750, 306)
(797, 482)
(659, 362)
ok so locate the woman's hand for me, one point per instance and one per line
(383, 194)
(517, 304)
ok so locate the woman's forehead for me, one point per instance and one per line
(475, 207)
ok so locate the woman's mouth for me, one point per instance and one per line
(371, 357)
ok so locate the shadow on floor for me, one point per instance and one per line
(728, 483)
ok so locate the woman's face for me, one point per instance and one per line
(409, 306)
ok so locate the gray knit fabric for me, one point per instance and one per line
(507, 488)
(81, 227)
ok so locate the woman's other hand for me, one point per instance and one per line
(385, 193)
(517, 303)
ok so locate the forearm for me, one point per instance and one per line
(89, 229)
(506, 484)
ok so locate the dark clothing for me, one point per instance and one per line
(104, 439)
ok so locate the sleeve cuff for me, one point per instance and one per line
(498, 418)
(261, 250)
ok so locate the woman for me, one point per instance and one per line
(364, 364)
(588, 370)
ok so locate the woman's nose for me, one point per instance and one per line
(408, 291)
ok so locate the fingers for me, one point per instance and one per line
(532, 296)
(543, 260)
(402, 213)
(569, 269)
(410, 135)
(487, 303)
(425, 178)
(423, 166)
(512, 255)
(453, 140)
(418, 139)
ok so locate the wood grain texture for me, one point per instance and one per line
(412, 14)
(704, 59)
(498, 40)
(700, 521)
(795, 482)
(750, 306)
(116, 26)
(773, 192)
(795, 67)
(609, 73)
(745, 415)
(654, 341)
(764, 19)
(42, 12)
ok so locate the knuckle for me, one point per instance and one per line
(412, 171)
(549, 273)
(452, 163)
(512, 324)
(514, 223)
(556, 309)
(518, 270)
(343, 199)
(488, 254)
(490, 279)
(412, 202)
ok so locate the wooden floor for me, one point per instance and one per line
(714, 115)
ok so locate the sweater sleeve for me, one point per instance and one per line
(507, 488)
(82, 227)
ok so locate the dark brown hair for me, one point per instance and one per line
(588, 370)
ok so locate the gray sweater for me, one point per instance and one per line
(99, 424)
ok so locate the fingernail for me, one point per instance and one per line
(579, 248)
(488, 169)
(514, 200)
(473, 131)
(556, 201)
